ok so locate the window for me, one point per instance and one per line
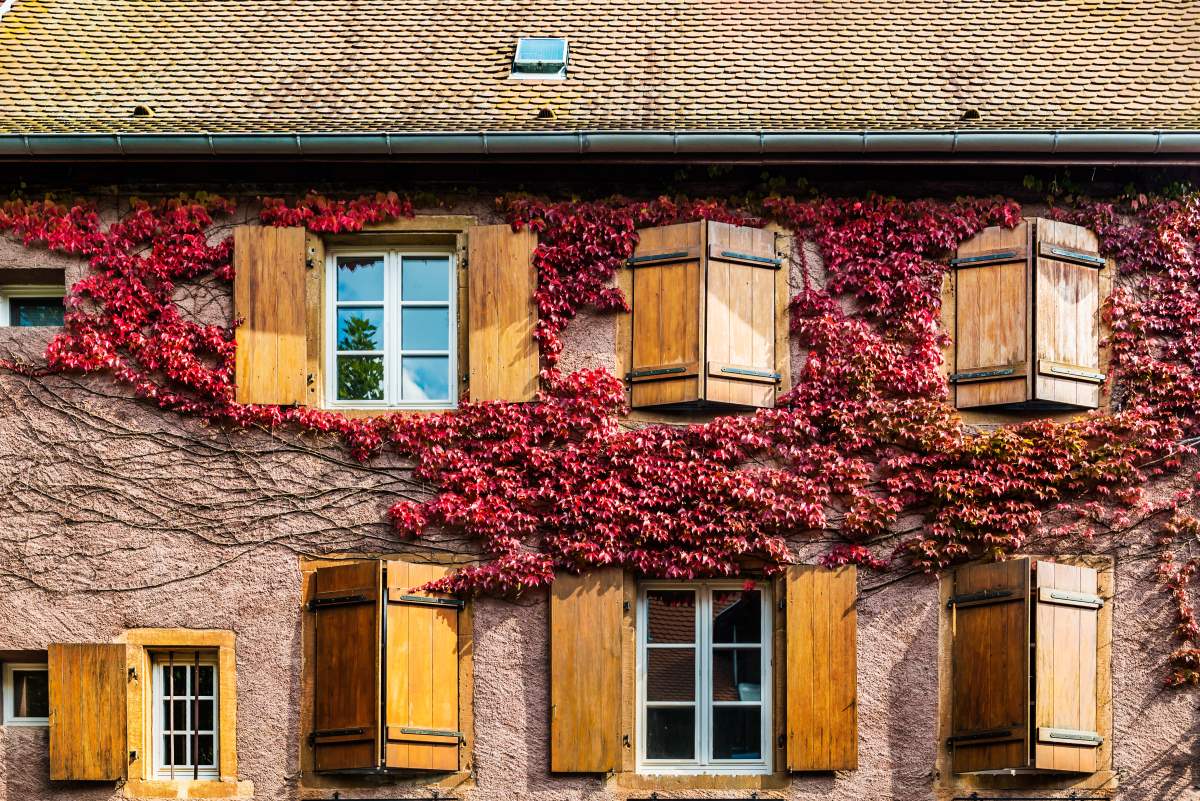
(391, 330)
(540, 57)
(185, 715)
(704, 664)
(32, 305)
(26, 694)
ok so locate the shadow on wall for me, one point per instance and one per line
(912, 692)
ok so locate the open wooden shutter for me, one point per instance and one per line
(668, 312)
(420, 671)
(741, 319)
(992, 308)
(345, 602)
(502, 314)
(1065, 634)
(268, 296)
(990, 667)
(822, 672)
(1068, 292)
(585, 671)
(88, 688)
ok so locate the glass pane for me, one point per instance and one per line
(737, 675)
(426, 329)
(179, 722)
(31, 695)
(360, 278)
(671, 733)
(425, 279)
(360, 328)
(181, 749)
(736, 733)
(206, 679)
(180, 684)
(425, 378)
(671, 615)
(670, 674)
(168, 757)
(205, 750)
(35, 311)
(205, 721)
(737, 616)
(360, 378)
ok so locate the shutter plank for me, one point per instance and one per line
(990, 668)
(1068, 316)
(346, 666)
(822, 675)
(421, 669)
(87, 711)
(502, 315)
(269, 296)
(585, 671)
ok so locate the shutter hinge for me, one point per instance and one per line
(313, 735)
(733, 254)
(310, 264)
(132, 757)
(308, 380)
(981, 374)
(419, 600)
(781, 741)
(972, 597)
(133, 676)
(625, 740)
(985, 258)
(338, 600)
(625, 606)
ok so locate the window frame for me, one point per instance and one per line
(26, 292)
(703, 644)
(186, 657)
(393, 257)
(9, 719)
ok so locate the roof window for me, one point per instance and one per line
(540, 57)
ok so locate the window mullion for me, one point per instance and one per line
(392, 324)
(703, 660)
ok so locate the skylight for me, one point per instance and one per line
(540, 57)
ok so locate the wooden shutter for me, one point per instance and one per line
(822, 673)
(990, 667)
(1068, 292)
(420, 671)
(992, 309)
(1065, 640)
(88, 688)
(585, 671)
(668, 312)
(502, 314)
(268, 296)
(741, 319)
(344, 600)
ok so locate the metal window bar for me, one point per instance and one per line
(169, 685)
(196, 717)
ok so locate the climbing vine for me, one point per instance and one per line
(862, 446)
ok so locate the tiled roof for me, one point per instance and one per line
(70, 66)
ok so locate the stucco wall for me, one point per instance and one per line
(115, 516)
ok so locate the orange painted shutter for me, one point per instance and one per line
(88, 689)
(268, 296)
(741, 316)
(1065, 646)
(421, 654)
(585, 671)
(1068, 292)
(990, 667)
(668, 301)
(502, 314)
(822, 672)
(344, 600)
(992, 308)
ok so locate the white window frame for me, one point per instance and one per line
(27, 291)
(703, 764)
(182, 658)
(10, 719)
(393, 262)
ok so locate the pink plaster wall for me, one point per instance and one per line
(115, 516)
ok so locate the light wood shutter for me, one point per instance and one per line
(822, 673)
(992, 308)
(1065, 649)
(269, 298)
(88, 688)
(502, 314)
(585, 671)
(1068, 292)
(345, 602)
(421, 655)
(990, 667)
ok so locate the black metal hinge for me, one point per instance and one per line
(338, 600)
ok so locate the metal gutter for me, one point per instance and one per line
(581, 143)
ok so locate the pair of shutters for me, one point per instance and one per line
(821, 721)
(704, 299)
(1027, 317)
(385, 670)
(1024, 667)
(269, 295)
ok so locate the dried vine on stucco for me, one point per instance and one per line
(864, 452)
